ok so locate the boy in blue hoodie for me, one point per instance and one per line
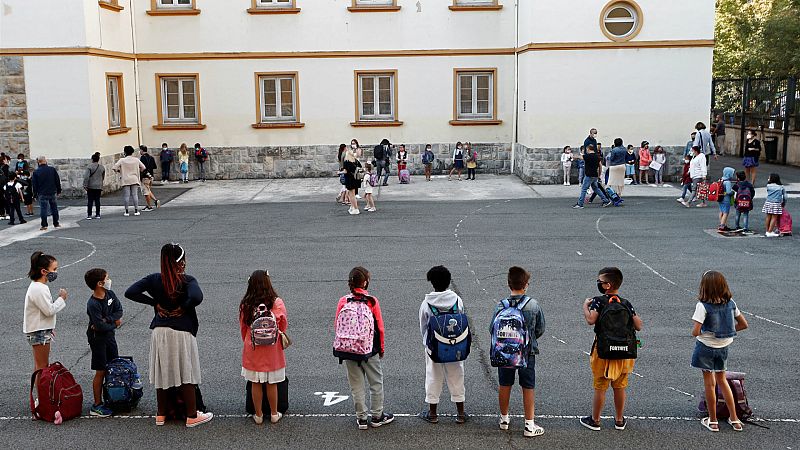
(745, 193)
(441, 300)
(725, 198)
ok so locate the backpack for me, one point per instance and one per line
(715, 191)
(359, 173)
(449, 338)
(510, 341)
(744, 202)
(616, 337)
(200, 154)
(11, 193)
(373, 180)
(743, 410)
(379, 154)
(60, 397)
(264, 329)
(122, 386)
(785, 223)
(355, 331)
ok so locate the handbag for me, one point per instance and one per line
(285, 340)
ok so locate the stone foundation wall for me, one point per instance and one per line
(72, 170)
(13, 107)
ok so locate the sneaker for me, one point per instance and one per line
(100, 410)
(126, 214)
(607, 204)
(532, 430)
(362, 424)
(275, 418)
(504, 422)
(59, 226)
(771, 234)
(136, 213)
(147, 208)
(353, 211)
(97, 217)
(577, 206)
(199, 420)
(258, 419)
(160, 420)
(156, 203)
(684, 203)
(738, 230)
(384, 419)
(11, 223)
(748, 232)
(43, 229)
(88, 217)
(680, 200)
(22, 221)
(620, 425)
(589, 423)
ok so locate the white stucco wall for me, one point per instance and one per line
(111, 30)
(42, 23)
(103, 142)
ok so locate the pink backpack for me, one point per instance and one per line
(355, 331)
(785, 223)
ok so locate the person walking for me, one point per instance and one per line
(752, 153)
(174, 357)
(687, 151)
(382, 154)
(46, 187)
(591, 139)
(698, 171)
(201, 156)
(93, 185)
(165, 156)
(427, 161)
(352, 168)
(616, 166)
(130, 169)
(147, 177)
(593, 166)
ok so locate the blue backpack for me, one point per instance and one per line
(510, 340)
(449, 338)
(122, 387)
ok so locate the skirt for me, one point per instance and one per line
(458, 164)
(772, 208)
(616, 175)
(749, 162)
(276, 376)
(174, 359)
(644, 167)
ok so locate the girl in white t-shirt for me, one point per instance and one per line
(716, 320)
(40, 308)
(366, 185)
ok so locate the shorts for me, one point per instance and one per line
(601, 377)
(146, 186)
(725, 206)
(40, 337)
(104, 349)
(274, 377)
(630, 169)
(708, 358)
(527, 375)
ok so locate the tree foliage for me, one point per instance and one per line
(757, 38)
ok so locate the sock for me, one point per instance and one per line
(505, 418)
(529, 424)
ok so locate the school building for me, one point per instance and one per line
(271, 87)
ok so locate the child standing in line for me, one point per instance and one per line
(630, 164)
(725, 198)
(442, 299)
(472, 161)
(183, 161)
(716, 320)
(581, 164)
(360, 304)
(686, 180)
(660, 158)
(427, 161)
(105, 315)
(644, 163)
(367, 185)
(745, 193)
(518, 282)
(13, 194)
(40, 308)
(605, 372)
(27, 192)
(773, 207)
(566, 163)
(263, 364)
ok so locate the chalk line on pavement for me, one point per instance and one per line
(94, 250)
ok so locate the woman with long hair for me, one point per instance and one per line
(263, 364)
(342, 197)
(352, 168)
(174, 358)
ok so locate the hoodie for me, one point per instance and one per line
(443, 301)
(727, 185)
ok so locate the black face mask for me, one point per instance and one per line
(600, 287)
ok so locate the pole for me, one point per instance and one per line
(791, 89)
(743, 124)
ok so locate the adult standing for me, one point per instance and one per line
(147, 177)
(174, 357)
(130, 170)
(382, 152)
(752, 153)
(593, 165)
(201, 155)
(427, 161)
(720, 134)
(616, 166)
(93, 185)
(352, 168)
(165, 156)
(703, 140)
(46, 187)
(698, 171)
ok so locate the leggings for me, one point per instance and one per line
(567, 170)
(94, 199)
(129, 192)
(470, 174)
(659, 175)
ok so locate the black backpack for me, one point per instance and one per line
(616, 336)
(379, 155)
(10, 192)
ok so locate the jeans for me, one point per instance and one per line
(383, 167)
(686, 188)
(581, 173)
(48, 202)
(164, 171)
(129, 192)
(593, 182)
(94, 199)
(659, 175)
(368, 371)
(202, 170)
(739, 215)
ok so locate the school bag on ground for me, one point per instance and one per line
(715, 191)
(355, 330)
(122, 386)
(60, 397)
(785, 223)
(616, 337)
(510, 341)
(449, 338)
(283, 398)
(613, 196)
(264, 329)
(743, 410)
(405, 176)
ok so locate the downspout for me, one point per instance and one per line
(136, 76)
(515, 119)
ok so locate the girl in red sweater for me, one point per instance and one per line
(262, 363)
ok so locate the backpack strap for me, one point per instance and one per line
(523, 302)
(436, 311)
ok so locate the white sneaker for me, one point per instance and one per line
(504, 422)
(275, 418)
(771, 234)
(126, 214)
(137, 213)
(532, 430)
(353, 212)
(358, 197)
(258, 419)
(679, 200)
(88, 217)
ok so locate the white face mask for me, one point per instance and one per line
(107, 284)
(749, 136)
(353, 146)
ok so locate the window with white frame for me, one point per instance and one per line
(621, 20)
(167, 4)
(179, 99)
(475, 95)
(267, 4)
(114, 111)
(278, 96)
(476, 2)
(376, 96)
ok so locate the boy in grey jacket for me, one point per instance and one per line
(443, 299)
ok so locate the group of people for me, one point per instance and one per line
(515, 327)
(21, 187)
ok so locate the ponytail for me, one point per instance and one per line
(358, 279)
(39, 261)
(172, 266)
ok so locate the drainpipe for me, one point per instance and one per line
(515, 119)
(136, 75)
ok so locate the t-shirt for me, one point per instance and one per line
(592, 164)
(753, 149)
(707, 337)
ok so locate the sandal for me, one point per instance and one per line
(426, 416)
(706, 422)
(734, 423)
(461, 419)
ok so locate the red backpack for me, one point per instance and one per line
(60, 396)
(714, 190)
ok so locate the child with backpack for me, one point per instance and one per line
(517, 323)
(716, 320)
(262, 321)
(183, 163)
(745, 193)
(13, 194)
(686, 180)
(725, 198)
(359, 338)
(773, 207)
(27, 192)
(201, 155)
(369, 182)
(614, 348)
(442, 316)
(40, 308)
(105, 315)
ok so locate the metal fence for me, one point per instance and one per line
(771, 103)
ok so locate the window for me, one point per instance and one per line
(175, 4)
(172, 7)
(475, 97)
(376, 98)
(115, 102)
(273, 7)
(621, 21)
(274, 3)
(373, 5)
(178, 98)
(277, 105)
(475, 5)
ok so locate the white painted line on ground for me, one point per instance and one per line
(680, 391)
(94, 250)
(750, 254)
(579, 253)
(559, 340)
(638, 374)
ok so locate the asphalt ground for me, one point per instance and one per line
(309, 248)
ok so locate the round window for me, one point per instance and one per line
(621, 21)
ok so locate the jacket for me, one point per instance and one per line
(375, 307)
(534, 320)
(443, 301)
(150, 291)
(264, 358)
(94, 176)
(427, 157)
(102, 314)
(703, 140)
(149, 163)
(698, 168)
(40, 309)
(720, 320)
(617, 156)
(130, 169)
(45, 181)
(644, 157)
(566, 159)
(727, 185)
(166, 156)
(776, 193)
(686, 178)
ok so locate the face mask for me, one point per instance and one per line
(107, 284)
(687, 161)
(352, 145)
(749, 136)
(600, 287)
(51, 276)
